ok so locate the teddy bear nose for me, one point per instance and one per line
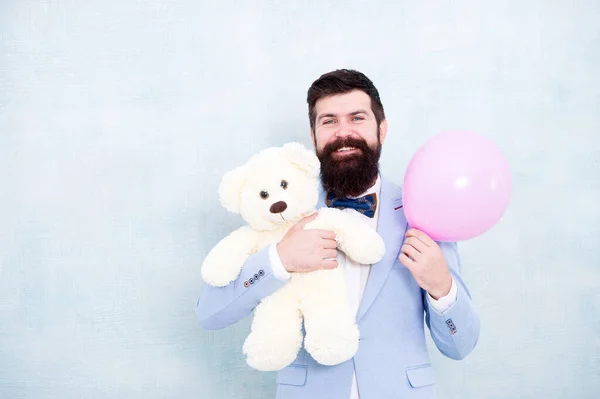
(278, 207)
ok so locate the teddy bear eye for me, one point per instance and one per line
(264, 195)
(284, 184)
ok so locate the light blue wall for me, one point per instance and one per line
(118, 118)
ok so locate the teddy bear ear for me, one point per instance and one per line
(230, 189)
(303, 158)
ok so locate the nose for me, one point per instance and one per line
(278, 207)
(344, 130)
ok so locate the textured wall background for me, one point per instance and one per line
(118, 118)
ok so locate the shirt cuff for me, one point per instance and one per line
(444, 302)
(278, 270)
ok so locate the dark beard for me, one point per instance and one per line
(352, 175)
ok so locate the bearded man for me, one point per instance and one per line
(416, 284)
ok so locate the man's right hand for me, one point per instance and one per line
(303, 250)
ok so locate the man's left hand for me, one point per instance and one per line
(424, 258)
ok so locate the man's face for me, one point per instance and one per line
(348, 142)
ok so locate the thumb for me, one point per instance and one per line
(304, 221)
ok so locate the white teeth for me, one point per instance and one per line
(346, 149)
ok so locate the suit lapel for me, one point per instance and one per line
(391, 227)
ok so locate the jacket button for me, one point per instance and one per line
(261, 272)
(246, 284)
(251, 280)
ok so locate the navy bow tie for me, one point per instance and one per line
(365, 204)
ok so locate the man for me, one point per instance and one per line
(416, 277)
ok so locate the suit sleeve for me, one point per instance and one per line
(455, 331)
(220, 307)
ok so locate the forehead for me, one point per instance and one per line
(346, 103)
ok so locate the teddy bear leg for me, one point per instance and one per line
(331, 331)
(276, 335)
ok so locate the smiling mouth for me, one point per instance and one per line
(343, 151)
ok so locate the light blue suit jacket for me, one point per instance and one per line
(392, 360)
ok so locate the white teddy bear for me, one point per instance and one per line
(273, 191)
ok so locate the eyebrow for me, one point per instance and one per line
(360, 111)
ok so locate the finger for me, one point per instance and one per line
(424, 238)
(407, 262)
(410, 251)
(329, 254)
(416, 244)
(305, 220)
(329, 243)
(329, 264)
(327, 234)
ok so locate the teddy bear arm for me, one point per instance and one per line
(327, 219)
(224, 262)
(353, 235)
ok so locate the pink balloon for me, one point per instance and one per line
(456, 187)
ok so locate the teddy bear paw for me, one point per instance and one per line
(367, 248)
(273, 352)
(332, 347)
(217, 275)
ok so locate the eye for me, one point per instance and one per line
(358, 118)
(328, 121)
(284, 184)
(264, 195)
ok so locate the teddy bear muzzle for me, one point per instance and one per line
(278, 207)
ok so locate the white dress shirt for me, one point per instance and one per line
(358, 274)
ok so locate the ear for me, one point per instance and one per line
(313, 138)
(383, 128)
(303, 158)
(230, 189)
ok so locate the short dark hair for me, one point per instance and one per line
(343, 81)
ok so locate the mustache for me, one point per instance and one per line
(345, 142)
